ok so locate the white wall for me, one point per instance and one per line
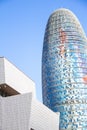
(14, 78)
(22, 112)
(2, 74)
(43, 118)
(15, 112)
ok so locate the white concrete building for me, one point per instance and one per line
(13, 81)
(19, 108)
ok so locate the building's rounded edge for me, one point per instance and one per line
(61, 9)
(70, 13)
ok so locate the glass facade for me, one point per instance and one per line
(64, 70)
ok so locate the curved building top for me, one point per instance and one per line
(63, 17)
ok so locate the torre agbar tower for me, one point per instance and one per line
(64, 69)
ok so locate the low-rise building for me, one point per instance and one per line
(19, 108)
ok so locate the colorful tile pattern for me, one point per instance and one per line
(64, 70)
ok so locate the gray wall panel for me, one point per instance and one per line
(16, 112)
(43, 118)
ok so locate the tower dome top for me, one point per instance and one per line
(64, 14)
(63, 10)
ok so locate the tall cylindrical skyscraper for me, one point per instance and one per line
(64, 70)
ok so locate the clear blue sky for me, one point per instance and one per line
(22, 26)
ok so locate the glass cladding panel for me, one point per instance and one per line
(64, 70)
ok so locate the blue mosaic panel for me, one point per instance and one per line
(64, 70)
